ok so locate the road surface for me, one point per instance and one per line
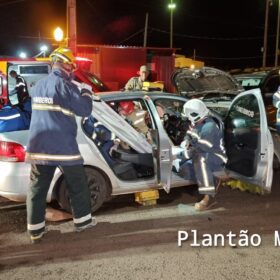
(136, 242)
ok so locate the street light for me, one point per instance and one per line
(22, 55)
(171, 7)
(43, 50)
(58, 34)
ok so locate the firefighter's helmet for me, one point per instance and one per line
(64, 55)
(195, 110)
(126, 107)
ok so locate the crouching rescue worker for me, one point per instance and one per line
(205, 150)
(52, 143)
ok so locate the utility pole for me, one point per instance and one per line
(71, 25)
(146, 30)
(277, 36)
(171, 7)
(265, 33)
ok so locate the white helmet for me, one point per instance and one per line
(194, 110)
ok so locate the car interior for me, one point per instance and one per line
(126, 163)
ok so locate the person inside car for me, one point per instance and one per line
(136, 83)
(135, 116)
(204, 146)
(276, 103)
(276, 136)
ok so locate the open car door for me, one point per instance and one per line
(162, 149)
(248, 141)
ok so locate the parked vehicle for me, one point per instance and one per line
(33, 70)
(217, 89)
(268, 82)
(148, 163)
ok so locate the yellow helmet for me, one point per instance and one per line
(64, 55)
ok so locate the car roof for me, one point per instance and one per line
(116, 95)
(251, 75)
(258, 74)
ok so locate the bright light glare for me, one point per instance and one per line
(171, 6)
(22, 55)
(58, 34)
(43, 48)
(78, 58)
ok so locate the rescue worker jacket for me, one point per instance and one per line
(21, 89)
(207, 137)
(276, 103)
(53, 128)
(134, 83)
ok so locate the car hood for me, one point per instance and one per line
(204, 82)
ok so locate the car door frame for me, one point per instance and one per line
(264, 170)
(162, 148)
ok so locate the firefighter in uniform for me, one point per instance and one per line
(136, 83)
(52, 143)
(204, 145)
(276, 136)
(276, 103)
(20, 89)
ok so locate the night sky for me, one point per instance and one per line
(226, 34)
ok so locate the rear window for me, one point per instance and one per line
(249, 82)
(34, 69)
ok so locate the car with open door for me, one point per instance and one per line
(120, 159)
(217, 89)
(268, 82)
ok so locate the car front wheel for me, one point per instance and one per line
(99, 190)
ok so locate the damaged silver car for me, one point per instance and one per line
(120, 159)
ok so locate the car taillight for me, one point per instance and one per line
(11, 152)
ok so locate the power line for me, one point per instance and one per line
(131, 36)
(209, 38)
(11, 2)
(231, 58)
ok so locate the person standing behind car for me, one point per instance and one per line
(136, 83)
(205, 147)
(20, 89)
(52, 143)
(276, 103)
(276, 136)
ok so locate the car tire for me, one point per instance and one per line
(99, 186)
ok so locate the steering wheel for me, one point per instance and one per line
(175, 127)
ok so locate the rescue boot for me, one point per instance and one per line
(87, 226)
(37, 237)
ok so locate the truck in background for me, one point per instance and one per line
(34, 69)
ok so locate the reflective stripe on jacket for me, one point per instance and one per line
(207, 138)
(276, 103)
(53, 128)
